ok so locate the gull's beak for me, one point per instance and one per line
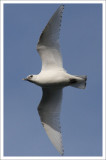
(24, 79)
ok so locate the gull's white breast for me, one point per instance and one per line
(53, 78)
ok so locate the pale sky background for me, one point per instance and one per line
(81, 47)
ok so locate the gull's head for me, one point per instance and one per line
(31, 78)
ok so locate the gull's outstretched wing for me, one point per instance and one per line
(49, 111)
(48, 45)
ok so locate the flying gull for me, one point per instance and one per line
(53, 78)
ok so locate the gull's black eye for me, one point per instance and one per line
(31, 76)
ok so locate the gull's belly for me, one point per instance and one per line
(53, 79)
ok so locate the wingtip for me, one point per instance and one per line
(62, 154)
(62, 6)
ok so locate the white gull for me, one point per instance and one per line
(53, 78)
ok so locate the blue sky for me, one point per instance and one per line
(81, 47)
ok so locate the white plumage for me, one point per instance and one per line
(53, 78)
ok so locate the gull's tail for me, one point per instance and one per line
(79, 82)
